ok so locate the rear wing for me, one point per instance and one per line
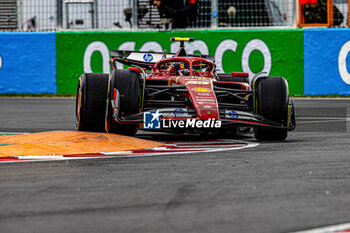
(142, 59)
(146, 59)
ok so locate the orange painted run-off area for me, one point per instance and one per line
(69, 142)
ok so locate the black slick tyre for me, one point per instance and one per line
(91, 102)
(128, 83)
(271, 101)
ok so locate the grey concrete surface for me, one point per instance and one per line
(276, 187)
(36, 114)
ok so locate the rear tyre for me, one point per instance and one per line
(91, 102)
(271, 101)
(128, 84)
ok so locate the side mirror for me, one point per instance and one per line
(240, 75)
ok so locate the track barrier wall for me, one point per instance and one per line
(314, 61)
(326, 65)
(27, 62)
(249, 51)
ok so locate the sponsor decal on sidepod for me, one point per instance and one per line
(148, 57)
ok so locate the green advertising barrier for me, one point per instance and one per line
(277, 52)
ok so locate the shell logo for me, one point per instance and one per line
(201, 89)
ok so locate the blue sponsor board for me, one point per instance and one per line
(28, 62)
(326, 59)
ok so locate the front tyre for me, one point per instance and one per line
(90, 107)
(271, 101)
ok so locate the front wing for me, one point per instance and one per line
(228, 117)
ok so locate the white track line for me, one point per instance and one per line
(329, 229)
(326, 118)
(120, 154)
(321, 98)
(325, 121)
(11, 133)
(322, 120)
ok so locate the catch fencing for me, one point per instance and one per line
(53, 15)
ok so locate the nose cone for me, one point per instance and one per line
(201, 93)
(208, 113)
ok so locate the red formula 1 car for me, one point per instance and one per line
(181, 93)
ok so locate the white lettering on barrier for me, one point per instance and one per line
(151, 46)
(0, 62)
(260, 46)
(343, 71)
(221, 49)
(198, 45)
(96, 46)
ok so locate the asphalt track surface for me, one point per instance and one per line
(299, 184)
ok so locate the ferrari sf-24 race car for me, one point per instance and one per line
(181, 93)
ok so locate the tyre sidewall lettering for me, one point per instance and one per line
(260, 46)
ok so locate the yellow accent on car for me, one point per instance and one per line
(201, 89)
(181, 39)
(177, 79)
